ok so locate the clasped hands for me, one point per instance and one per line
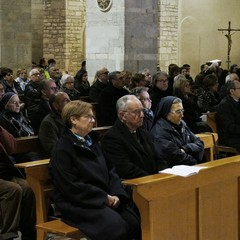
(112, 201)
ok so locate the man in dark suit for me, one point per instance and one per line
(127, 145)
(228, 116)
(107, 113)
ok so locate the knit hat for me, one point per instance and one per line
(5, 99)
(163, 108)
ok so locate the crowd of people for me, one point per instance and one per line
(154, 119)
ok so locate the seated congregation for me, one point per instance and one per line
(153, 127)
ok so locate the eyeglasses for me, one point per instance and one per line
(145, 99)
(90, 117)
(136, 111)
(9, 74)
(178, 112)
(236, 88)
(35, 74)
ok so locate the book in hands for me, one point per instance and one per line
(182, 170)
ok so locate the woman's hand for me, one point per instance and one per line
(112, 201)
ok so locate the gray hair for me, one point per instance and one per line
(138, 90)
(122, 103)
(230, 85)
(177, 100)
(158, 75)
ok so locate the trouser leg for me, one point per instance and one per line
(10, 202)
(28, 211)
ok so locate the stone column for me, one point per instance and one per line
(122, 38)
(15, 34)
(63, 34)
(168, 37)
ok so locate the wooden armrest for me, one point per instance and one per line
(32, 163)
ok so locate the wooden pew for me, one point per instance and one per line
(199, 207)
(211, 121)
(38, 177)
(208, 144)
(27, 144)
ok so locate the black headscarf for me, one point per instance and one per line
(163, 108)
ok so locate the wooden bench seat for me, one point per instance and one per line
(60, 228)
(38, 177)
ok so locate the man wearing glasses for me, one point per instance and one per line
(129, 146)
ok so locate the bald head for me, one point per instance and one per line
(58, 100)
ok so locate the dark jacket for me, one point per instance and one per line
(228, 122)
(169, 142)
(8, 88)
(207, 102)
(42, 111)
(16, 124)
(82, 180)
(95, 90)
(73, 94)
(131, 158)
(156, 95)
(107, 113)
(32, 97)
(50, 131)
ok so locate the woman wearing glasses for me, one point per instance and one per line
(89, 194)
(173, 140)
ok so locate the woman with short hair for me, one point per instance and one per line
(89, 194)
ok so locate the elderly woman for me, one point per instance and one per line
(192, 113)
(67, 83)
(172, 138)
(88, 191)
(11, 117)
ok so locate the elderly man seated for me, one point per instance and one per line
(129, 146)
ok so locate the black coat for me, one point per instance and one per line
(169, 142)
(107, 113)
(131, 158)
(95, 90)
(82, 180)
(228, 122)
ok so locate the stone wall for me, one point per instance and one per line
(37, 13)
(15, 34)
(124, 37)
(168, 35)
(64, 23)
